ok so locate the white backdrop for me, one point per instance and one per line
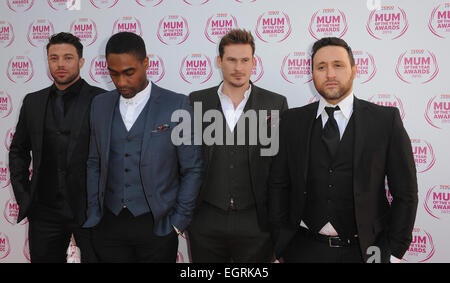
(401, 48)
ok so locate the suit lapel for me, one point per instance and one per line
(41, 107)
(210, 101)
(82, 106)
(255, 102)
(108, 115)
(361, 125)
(152, 114)
(303, 156)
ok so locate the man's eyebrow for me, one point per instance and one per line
(123, 71)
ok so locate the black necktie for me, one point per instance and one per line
(330, 132)
(59, 106)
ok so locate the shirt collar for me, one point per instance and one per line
(223, 96)
(139, 97)
(74, 89)
(346, 106)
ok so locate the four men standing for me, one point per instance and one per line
(320, 199)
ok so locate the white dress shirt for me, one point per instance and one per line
(130, 108)
(232, 114)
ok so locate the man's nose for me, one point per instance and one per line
(331, 72)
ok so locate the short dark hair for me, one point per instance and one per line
(333, 41)
(236, 36)
(68, 38)
(126, 42)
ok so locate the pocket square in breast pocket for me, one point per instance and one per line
(161, 128)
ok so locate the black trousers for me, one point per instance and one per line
(304, 248)
(49, 235)
(216, 235)
(125, 238)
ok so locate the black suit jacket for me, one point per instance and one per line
(260, 99)
(27, 145)
(381, 148)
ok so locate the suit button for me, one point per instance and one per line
(330, 186)
(126, 169)
(127, 155)
(330, 170)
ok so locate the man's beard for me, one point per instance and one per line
(67, 81)
(336, 93)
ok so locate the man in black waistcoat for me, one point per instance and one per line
(53, 131)
(230, 221)
(327, 184)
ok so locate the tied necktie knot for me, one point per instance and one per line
(330, 132)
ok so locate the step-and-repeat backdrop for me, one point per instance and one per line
(400, 46)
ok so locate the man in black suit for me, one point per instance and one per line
(327, 183)
(53, 128)
(230, 221)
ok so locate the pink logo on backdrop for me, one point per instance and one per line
(20, 69)
(99, 70)
(11, 212)
(6, 106)
(26, 250)
(219, 25)
(9, 137)
(5, 248)
(273, 26)
(258, 70)
(145, 3)
(424, 156)
(128, 24)
(417, 66)
(4, 175)
(196, 68)
(195, 2)
(62, 4)
(328, 23)
(389, 22)
(437, 113)
(20, 6)
(366, 66)
(100, 4)
(439, 23)
(156, 69)
(6, 34)
(39, 32)
(85, 29)
(296, 67)
(173, 30)
(422, 247)
(388, 100)
(437, 201)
